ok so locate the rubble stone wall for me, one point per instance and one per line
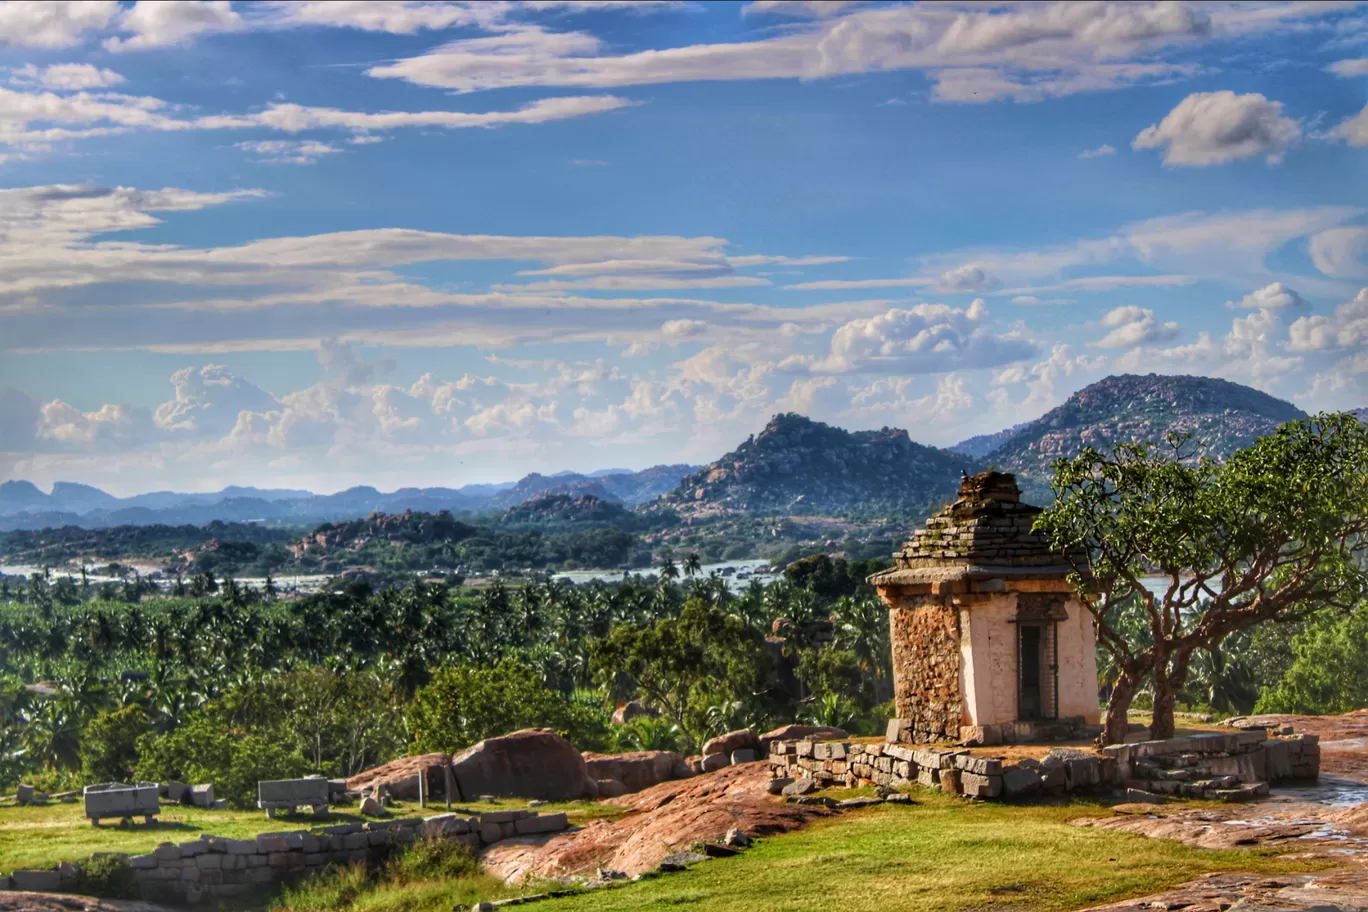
(926, 667)
(213, 867)
(1235, 767)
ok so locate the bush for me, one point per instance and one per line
(204, 752)
(108, 877)
(464, 704)
(109, 746)
(432, 859)
(1327, 675)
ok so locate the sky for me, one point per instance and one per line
(322, 244)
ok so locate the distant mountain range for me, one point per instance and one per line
(25, 506)
(794, 466)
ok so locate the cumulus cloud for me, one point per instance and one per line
(51, 24)
(967, 278)
(66, 77)
(1211, 128)
(1276, 296)
(1100, 152)
(1347, 328)
(1131, 326)
(921, 339)
(163, 23)
(208, 401)
(1354, 131)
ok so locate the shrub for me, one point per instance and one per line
(108, 877)
(432, 859)
(205, 752)
(1327, 672)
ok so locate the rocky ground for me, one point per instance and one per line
(1327, 821)
(662, 820)
(62, 902)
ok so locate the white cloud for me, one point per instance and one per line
(1131, 326)
(392, 16)
(924, 338)
(852, 284)
(52, 24)
(208, 401)
(816, 9)
(163, 23)
(1341, 252)
(66, 77)
(1354, 131)
(288, 152)
(1347, 328)
(1211, 128)
(1100, 152)
(1276, 296)
(1347, 69)
(967, 278)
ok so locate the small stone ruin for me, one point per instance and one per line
(277, 795)
(991, 643)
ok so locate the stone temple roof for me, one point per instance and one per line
(985, 533)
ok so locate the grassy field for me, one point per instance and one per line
(942, 854)
(42, 836)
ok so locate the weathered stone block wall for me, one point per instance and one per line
(1233, 767)
(926, 667)
(213, 867)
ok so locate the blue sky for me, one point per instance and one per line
(324, 244)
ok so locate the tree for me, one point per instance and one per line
(1272, 534)
(668, 569)
(109, 745)
(692, 565)
(683, 666)
(1329, 673)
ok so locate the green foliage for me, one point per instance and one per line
(108, 877)
(465, 704)
(109, 745)
(1273, 534)
(1329, 670)
(203, 751)
(647, 733)
(432, 859)
(685, 666)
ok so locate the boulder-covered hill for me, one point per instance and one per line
(797, 465)
(1221, 417)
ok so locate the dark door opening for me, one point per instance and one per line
(1030, 659)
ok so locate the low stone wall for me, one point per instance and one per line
(213, 867)
(1234, 767)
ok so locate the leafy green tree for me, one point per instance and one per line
(1272, 534)
(109, 745)
(1329, 672)
(464, 704)
(206, 751)
(704, 658)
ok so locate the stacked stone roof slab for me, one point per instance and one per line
(985, 534)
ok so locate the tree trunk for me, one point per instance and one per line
(1116, 723)
(1168, 681)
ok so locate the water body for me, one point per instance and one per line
(738, 574)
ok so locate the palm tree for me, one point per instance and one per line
(668, 570)
(692, 565)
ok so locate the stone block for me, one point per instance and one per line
(175, 791)
(974, 785)
(272, 842)
(202, 796)
(745, 755)
(1251, 736)
(898, 730)
(24, 795)
(143, 862)
(950, 781)
(167, 852)
(928, 776)
(193, 849)
(545, 823)
(505, 816)
(353, 841)
(209, 862)
(714, 762)
(1020, 781)
(798, 787)
(115, 800)
(898, 752)
(38, 881)
(378, 837)
(287, 793)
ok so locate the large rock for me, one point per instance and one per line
(731, 742)
(803, 733)
(400, 777)
(532, 763)
(638, 770)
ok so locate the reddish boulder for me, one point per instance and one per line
(637, 771)
(532, 763)
(803, 733)
(400, 777)
(732, 741)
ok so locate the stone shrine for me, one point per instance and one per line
(991, 642)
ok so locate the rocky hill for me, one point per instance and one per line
(629, 488)
(548, 509)
(1221, 417)
(981, 445)
(800, 466)
(1360, 414)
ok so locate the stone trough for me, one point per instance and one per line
(277, 795)
(114, 799)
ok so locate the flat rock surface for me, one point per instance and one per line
(1335, 891)
(18, 901)
(661, 821)
(1344, 739)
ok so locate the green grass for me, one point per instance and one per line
(941, 854)
(42, 836)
